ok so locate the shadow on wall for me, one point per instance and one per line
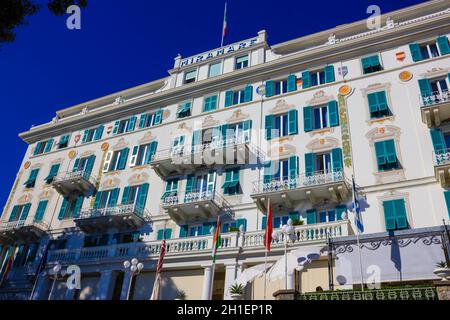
(144, 286)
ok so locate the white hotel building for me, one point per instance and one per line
(294, 122)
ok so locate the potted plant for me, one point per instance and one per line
(236, 291)
(181, 295)
(297, 222)
(442, 270)
(233, 229)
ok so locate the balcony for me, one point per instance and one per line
(192, 206)
(435, 108)
(252, 242)
(442, 166)
(122, 217)
(22, 231)
(75, 183)
(180, 159)
(313, 187)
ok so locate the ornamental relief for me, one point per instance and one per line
(36, 166)
(281, 107)
(138, 178)
(182, 129)
(209, 122)
(56, 161)
(238, 116)
(147, 138)
(322, 144)
(435, 72)
(377, 87)
(121, 144)
(319, 98)
(278, 151)
(383, 132)
(46, 194)
(26, 198)
(110, 183)
(87, 153)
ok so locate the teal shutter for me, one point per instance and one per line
(382, 100)
(25, 212)
(36, 149)
(160, 234)
(49, 145)
(62, 211)
(241, 222)
(89, 165)
(125, 195)
(40, 210)
(336, 155)
(158, 116)
(329, 74)
(270, 88)
(246, 127)
(248, 93)
(13, 213)
(447, 200)
(269, 126)
(228, 98)
(223, 129)
(306, 79)
(76, 165)
(415, 52)
(85, 136)
(310, 158)
(151, 150)
(206, 229)
(294, 216)
(380, 153)
(400, 214)
(142, 196)
(98, 199)
(366, 63)
(53, 172)
(307, 119)
(227, 182)
(183, 231)
(391, 155)
(267, 172)
(196, 138)
(311, 216)
(339, 211)
(123, 159)
(99, 132)
(190, 181)
(425, 87)
(114, 197)
(131, 124)
(168, 233)
(293, 167)
(116, 127)
(389, 214)
(333, 113)
(443, 45)
(293, 122)
(291, 83)
(142, 120)
(438, 140)
(373, 102)
(263, 222)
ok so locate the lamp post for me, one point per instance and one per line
(55, 273)
(287, 234)
(135, 268)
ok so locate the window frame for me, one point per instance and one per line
(236, 63)
(187, 72)
(220, 68)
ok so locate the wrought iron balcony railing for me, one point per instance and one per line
(14, 225)
(441, 157)
(82, 174)
(435, 97)
(117, 210)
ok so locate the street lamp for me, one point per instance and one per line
(135, 268)
(55, 273)
(287, 235)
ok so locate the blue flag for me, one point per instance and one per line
(356, 207)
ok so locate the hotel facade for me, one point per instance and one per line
(224, 134)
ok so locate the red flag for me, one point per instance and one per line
(162, 253)
(269, 227)
(8, 266)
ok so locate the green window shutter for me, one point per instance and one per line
(336, 155)
(391, 155)
(142, 196)
(125, 195)
(373, 102)
(438, 140)
(293, 167)
(90, 165)
(183, 231)
(380, 153)
(62, 211)
(168, 233)
(160, 234)
(98, 199)
(151, 150)
(248, 93)
(425, 87)
(190, 181)
(366, 63)
(382, 100)
(36, 149)
(333, 113)
(114, 197)
(206, 229)
(307, 119)
(142, 120)
(294, 215)
(389, 214)
(49, 145)
(310, 159)
(329, 74)
(291, 83)
(447, 200)
(263, 223)
(53, 172)
(123, 159)
(116, 127)
(13, 214)
(76, 164)
(228, 179)
(306, 79)
(223, 129)
(267, 172)
(375, 60)
(99, 132)
(415, 52)
(443, 45)
(158, 116)
(241, 222)
(228, 98)
(269, 126)
(270, 88)
(85, 136)
(400, 214)
(293, 122)
(246, 127)
(40, 210)
(339, 211)
(196, 138)
(311, 216)
(25, 212)
(131, 124)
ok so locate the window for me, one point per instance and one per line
(282, 86)
(447, 200)
(281, 125)
(136, 195)
(234, 225)
(106, 199)
(42, 206)
(196, 230)
(70, 208)
(386, 155)
(237, 132)
(43, 147)
(178, 145)
(200, 183)
(441, 142)
(31, 182)
(210, 103)
(434, 90)
(92, 134)
(84, 165)
(184, 110)
(190, 76)
(371, 64)
(127, 237)
(231, 185)
(319, 117)
(325, 215)
(215, 69)
(241, 62)
(53, 173)
(431, 49)
(279, 221)
(439, 85)
(171, 188)
(143, 154)
(63, 142)
(20, 212)
(395, 215)
(116, 160)
(238, 96)
(95, 241)
(148, 120)
(125, 125)
(283, 170)
(160, 234)
(325, 162)
(378, 106)
(318, 77)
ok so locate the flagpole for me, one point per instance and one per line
(224, 24)
(357, 235)
(265, 272)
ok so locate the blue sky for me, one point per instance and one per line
(126, 43)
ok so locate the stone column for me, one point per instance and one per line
(125, 286)
(290, 280)
(106, 285)
(230, 276)
(208, 279)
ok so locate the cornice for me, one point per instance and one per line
(295, 62)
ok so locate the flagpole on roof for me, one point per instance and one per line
(224, 25)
